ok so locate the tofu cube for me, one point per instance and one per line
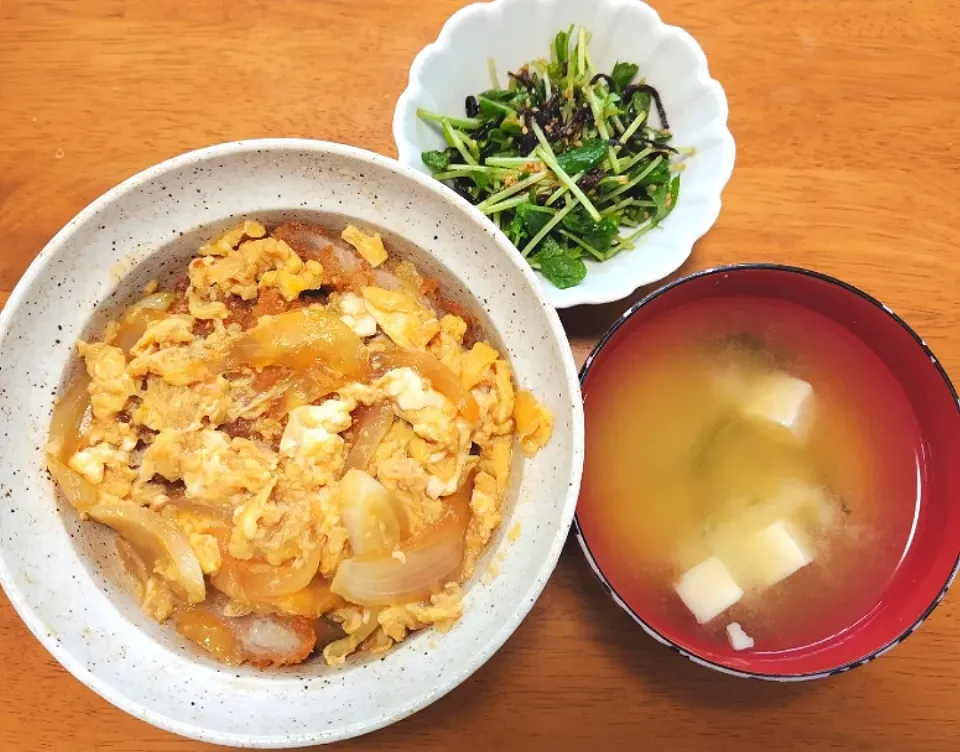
(708, 589)
(774, 554)
(781, 401)
(739, 640)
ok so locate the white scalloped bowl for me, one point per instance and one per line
(513, 32)
(63, 576)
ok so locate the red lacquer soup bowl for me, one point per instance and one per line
(895, 367)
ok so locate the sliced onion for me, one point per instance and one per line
(375, 422)
(159, 542)
(138, 317)
(307, 387)
(441, 377)
(370, 513)
(80, 492)
(68, 415)
(64, 441)
(133, 325)
(217, 517)
(418, 567)
(385, 580)
(254, 582)
(133, 565)
(157, 301)
(301, 339)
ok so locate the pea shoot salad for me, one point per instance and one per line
(563, 158)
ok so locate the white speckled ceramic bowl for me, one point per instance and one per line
(513, 32)
(61, 575)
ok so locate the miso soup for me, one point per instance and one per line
(748, 461)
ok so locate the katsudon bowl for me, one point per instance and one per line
(63, 576)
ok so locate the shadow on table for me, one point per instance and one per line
(589, 322)
(659, 667)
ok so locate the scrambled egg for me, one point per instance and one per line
(370, 247)
(214, 468)
(183, 408)
(443, 610)
(355, 314)
(252, 266)
(110, 384)
(250, 477)
(401, 316)
(171, 330)
(313, 443)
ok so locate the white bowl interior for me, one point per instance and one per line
(62, 575)
(514, 32)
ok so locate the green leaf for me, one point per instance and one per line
(490, 110)
(583, 158)
(496, 95)
(636, 214)
(534, 217)
(511, 124)
(563, 267)
(665, 196)
(597, 234)
(516, 229)
(481, 179)
(641, 102)
(623, 73)
(659, 174)
(550, 248)
(671, 193)
(436, 160)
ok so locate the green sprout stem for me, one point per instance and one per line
(624, 188)
(467, 124)
(513, 162)
(509, 203)
(601, 126)
(550, 160)
(515, 188)
(627, 243)
(453, 138)
(598, 255)
(554, 221)
(492, 68)
(562, 190)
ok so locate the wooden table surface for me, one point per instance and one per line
(847, 121)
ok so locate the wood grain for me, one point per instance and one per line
(848, 129)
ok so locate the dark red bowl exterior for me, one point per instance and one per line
(932, 559)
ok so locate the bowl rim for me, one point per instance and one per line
(527, 597)
(611, 590)
(577, 296)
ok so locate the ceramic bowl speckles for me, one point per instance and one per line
(62, 575)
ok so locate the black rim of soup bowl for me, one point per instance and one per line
(612, 592)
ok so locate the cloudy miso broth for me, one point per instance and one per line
(749, 461)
